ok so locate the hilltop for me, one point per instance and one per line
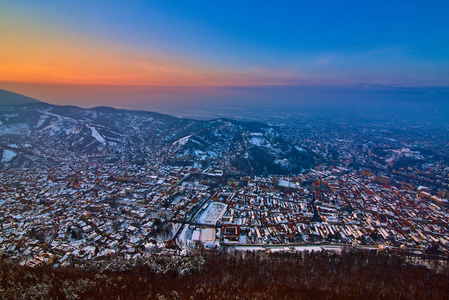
(8, 98)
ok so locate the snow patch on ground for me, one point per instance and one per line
(8, 155)
(182, 141)
(14, 129)
(282, 162)
(213, 213)
(261, 142)
(52, 128)
(96, 134)
(41, 121)
(9, 116)
(197, 142)
(60, 118)
(257, 141)
(199, 153)
(212, 154)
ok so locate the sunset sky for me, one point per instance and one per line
(82, 52)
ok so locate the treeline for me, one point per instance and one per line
(243, 275)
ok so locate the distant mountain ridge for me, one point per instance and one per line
(132, 136)
(8, 98)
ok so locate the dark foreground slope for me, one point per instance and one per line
(351, 275)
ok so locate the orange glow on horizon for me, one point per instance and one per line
(42, 56)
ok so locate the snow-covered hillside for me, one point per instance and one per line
(46, 131)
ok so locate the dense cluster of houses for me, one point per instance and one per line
(87, 210)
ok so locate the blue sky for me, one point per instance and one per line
(225, 43)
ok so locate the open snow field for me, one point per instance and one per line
(213, 213)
